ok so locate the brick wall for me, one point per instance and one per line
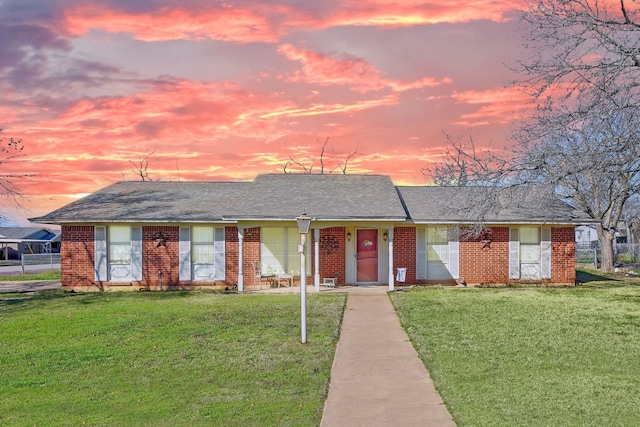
(563, 255)
(485, 259)
(482, 260)
(250, 253)
(332, 260)
(404, 252)
(160, 249)
(76, 257)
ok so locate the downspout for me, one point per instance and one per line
(316, 266)
(391, 277)
(240, 259)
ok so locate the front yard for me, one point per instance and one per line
(164, 359)
(499, 357)
(532, 357)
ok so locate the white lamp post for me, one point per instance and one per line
(304, 223)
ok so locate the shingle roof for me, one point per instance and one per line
(282, 196)
(431, 204)
(153, 201)
(323, 197)
(25, 233)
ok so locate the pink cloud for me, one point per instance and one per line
(269, 22)
(380, 13)
(497, 106)
(228, 23)
(346, 70)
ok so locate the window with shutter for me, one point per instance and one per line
(279, 251)
(437, 254)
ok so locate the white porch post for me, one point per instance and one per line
(391, 276)
(316, 260)
(240, 259)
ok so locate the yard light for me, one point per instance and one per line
(304, 222)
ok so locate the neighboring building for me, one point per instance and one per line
(15, 241)
(160, 235)
(586, 237)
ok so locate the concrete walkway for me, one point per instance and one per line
(29, 286)
(377, 378)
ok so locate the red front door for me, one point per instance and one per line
(367, 256)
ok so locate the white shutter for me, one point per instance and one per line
(219, 254)
(100, 253)
(421, 253)
(454, 256)
(514, 253)
(184, 249)
(136, 253)
(545, 252)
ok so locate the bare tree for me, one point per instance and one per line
(292, 163)
(583, 71)
(140, 167)
(580, 52)
(595, 167)
(10, 151)
(463, 164)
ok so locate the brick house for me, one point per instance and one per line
(365, 231)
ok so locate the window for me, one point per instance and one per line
(118, 253)
(437, 254)
(202, 253)
(119, 244)
(202, 245)
(530, 252)
(279, 251)
(437, 245)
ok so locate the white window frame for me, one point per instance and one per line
(428, 245)
(521, 264)
(279, 251)
(192, 268)
(127, 265)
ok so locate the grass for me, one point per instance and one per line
(164, 359)
(31, 275)
(532, 357)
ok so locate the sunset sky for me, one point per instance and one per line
(227, 90)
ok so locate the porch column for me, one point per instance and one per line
(316, 260)
(240, 259)
(391, 276)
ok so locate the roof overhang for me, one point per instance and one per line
(494, 223)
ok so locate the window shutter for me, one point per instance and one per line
(100, 253)
(421, 253)
(184, 249)
(136, 253)
(514, 253)
(218, 254)
(545, 252)
(454, 256)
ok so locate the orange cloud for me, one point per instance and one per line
(226, 23)
(347, 70)
(496, 105)
(268, 22)
(333, 108)
(380, 13)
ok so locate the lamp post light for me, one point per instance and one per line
(304, 223)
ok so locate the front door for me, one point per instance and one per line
(367, 256)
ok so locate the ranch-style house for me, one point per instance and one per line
(365, 231)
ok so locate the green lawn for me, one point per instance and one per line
(31, 275)
(164, 359)
(533, 356)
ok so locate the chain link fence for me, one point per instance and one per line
(40, 261)
(624, 254)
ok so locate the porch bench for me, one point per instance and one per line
(329, 281)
